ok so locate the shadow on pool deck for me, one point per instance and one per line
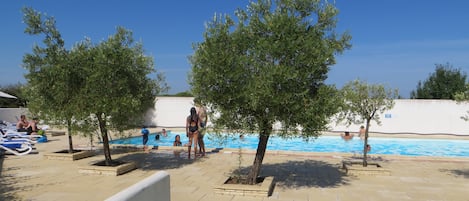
(457, 173)
(7, 182)
(156, 161)
(298, 174)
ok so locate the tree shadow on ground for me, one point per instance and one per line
(308, 173)
(458, 173)
(160, 160)
(7, 183)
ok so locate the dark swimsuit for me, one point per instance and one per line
(30, 130)
(193, 125)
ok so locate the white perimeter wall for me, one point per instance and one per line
(12, 115)
(420, 116)
(172, 111)
(407, 116)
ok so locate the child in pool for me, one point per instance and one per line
(177, 141)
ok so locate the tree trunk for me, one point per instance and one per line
(104, 135)
(69, 130)
(365, 148)
(261, 147)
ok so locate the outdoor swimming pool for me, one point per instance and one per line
(391, 146)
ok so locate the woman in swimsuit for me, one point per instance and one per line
(192, 130)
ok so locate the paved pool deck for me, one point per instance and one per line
(298, 176)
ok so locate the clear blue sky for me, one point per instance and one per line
(395, 42)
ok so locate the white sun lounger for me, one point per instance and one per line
(13, 134)
(16, 148)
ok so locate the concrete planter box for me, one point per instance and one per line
(56, 133)
(63, 155)
(263, 189)
(108, 170)
(356, 168)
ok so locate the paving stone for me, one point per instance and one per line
(299, 176)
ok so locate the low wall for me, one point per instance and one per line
(172, 111)
(419, 117)
(408, 116)
(12, 115)
(153, 188)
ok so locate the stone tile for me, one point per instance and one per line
(299, 176)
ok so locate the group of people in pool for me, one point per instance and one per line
(361, 134)
(347, 136)
(195, 131)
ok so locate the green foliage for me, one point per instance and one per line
(14, 90)
(53, 75)
(183, 94)
(269, 66)
(90, 87)
(363, 103)
(116, 85)
(463, 97)
(442, 84)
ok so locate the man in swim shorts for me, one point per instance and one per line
(202, 112)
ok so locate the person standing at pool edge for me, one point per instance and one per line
(361, 132)
(202, 112)
(192, 131)
(145, 132)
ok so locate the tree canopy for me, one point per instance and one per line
(117, 88)
(363, 103)
(442, 84)
(267, 66)
(53, 78)
(108, 83)
(463, 97)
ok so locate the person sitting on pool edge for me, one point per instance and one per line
(177, 141)
(346, 136)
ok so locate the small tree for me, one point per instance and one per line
(463, 97)
(444, 83)
(363, 103)
(55, 76)
(117, 90)
(269, 66)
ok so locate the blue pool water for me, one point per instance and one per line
(392, 146)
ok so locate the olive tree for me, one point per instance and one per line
(363, 103)
(118, 89)
(54, 75)
(269, 66)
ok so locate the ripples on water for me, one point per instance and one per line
(393, 146)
